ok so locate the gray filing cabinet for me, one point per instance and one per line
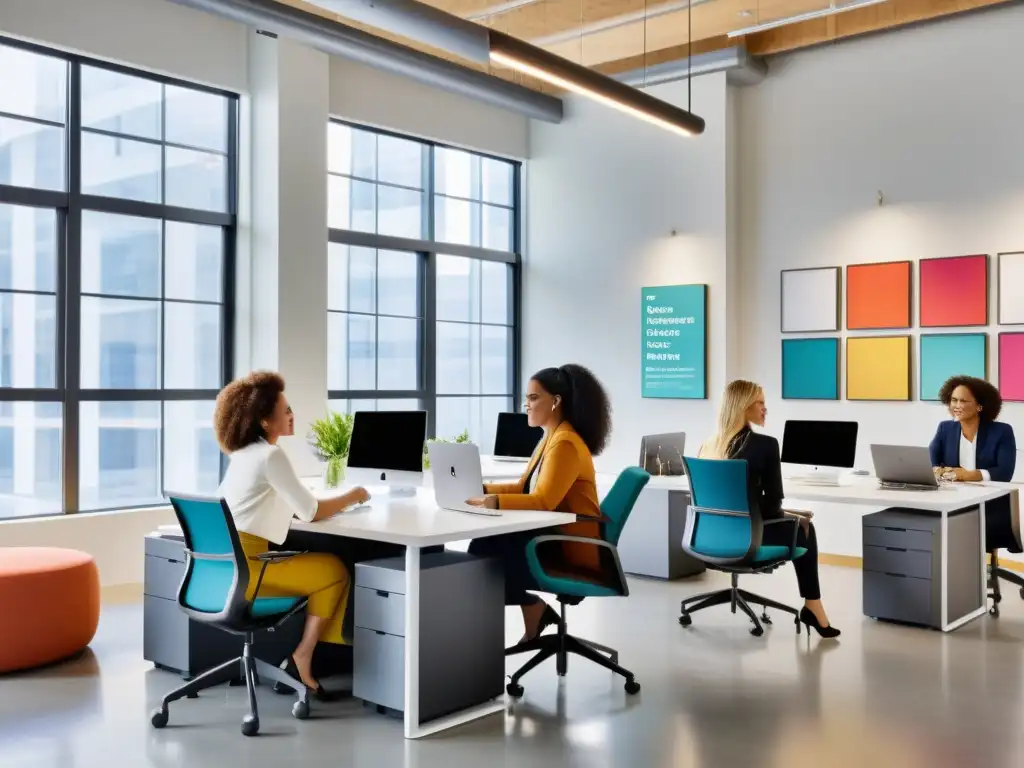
(172, 641)
(902, 556)
(462, 633)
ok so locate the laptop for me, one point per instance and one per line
(904, 467)
(457, 475)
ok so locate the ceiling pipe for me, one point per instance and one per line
(428, 25)
(337, 39)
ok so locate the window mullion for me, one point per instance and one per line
(72, 288)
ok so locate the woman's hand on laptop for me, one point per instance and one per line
(490, 501)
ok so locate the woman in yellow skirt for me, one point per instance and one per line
(263, 492)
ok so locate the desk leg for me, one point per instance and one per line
(413, 728)
(947, 625)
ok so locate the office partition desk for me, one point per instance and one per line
(415, 523)
(864, 491)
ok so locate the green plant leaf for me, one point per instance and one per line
(330, 436)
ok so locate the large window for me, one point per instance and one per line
(423, 276)
(116, 246)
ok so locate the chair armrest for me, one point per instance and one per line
(793, 521)
(274, 555)
(693, 512)
(538, 570)
(268, 557)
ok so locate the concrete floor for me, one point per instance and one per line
(713, 696)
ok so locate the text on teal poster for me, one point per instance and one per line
(674, 341)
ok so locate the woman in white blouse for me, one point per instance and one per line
(263, 492)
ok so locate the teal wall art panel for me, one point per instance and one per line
(951, 354)
(810, 369)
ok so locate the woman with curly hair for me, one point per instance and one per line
(974, 447)
(571, 406)
(263, 492)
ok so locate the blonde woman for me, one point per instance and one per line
(743, 406)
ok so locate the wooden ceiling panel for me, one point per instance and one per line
(612, 35)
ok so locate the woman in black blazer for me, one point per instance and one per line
(743, 406)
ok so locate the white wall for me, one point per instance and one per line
(369, 96)
(604, 193)
(149, 34)
(931, 116)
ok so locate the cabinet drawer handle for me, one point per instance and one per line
(895, 549)
(897, 575)
(898, 530)
(382, 594)
(379, 632)
(172, 560)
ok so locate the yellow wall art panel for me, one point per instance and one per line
(878, 368)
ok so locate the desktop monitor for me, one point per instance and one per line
(663, 454)
(515, 438)
(820, 444)
(387, 449)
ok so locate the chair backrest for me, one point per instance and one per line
(217, 575)
(618, 503)
(719, 484)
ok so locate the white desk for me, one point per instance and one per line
(417, 522)
(864, 491)
(949, 498)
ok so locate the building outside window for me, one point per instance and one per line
(423, 280)
(117, 229)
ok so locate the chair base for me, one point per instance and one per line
(736, 598)
(997, 574)
(251, 670)
(560, 646)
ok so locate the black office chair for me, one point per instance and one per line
(997, 573)
(213, 592)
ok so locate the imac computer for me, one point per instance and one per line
(515, 439)
(387, 449)
(820, 448)
(663, 454)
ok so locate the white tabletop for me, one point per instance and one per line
(418, 521)
(858, 489)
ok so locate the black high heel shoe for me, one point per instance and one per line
(808, 618)
(319, 693)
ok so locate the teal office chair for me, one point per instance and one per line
(725, 532)
(571, 588)
(213, 592)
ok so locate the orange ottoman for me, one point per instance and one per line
(49, 605)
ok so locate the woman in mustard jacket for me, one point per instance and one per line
(572, 407)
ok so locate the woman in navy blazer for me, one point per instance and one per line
(975, 447)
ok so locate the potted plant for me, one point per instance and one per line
(462, 438)
(330, 439)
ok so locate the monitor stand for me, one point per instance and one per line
(827, 476)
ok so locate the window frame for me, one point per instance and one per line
(69, 205)
(428, 250)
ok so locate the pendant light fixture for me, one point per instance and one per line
(431, 26)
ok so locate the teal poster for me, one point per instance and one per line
(674, 342)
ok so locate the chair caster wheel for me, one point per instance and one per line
(300, 710)
(250, 725)
(632, 687)
(1022, 593)
(193, 695)
(685, 620)
(236, 681)
(998, 598)
(514, 690)
(766, 618)
(159, 718)
(757, 631)
(994, 611)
